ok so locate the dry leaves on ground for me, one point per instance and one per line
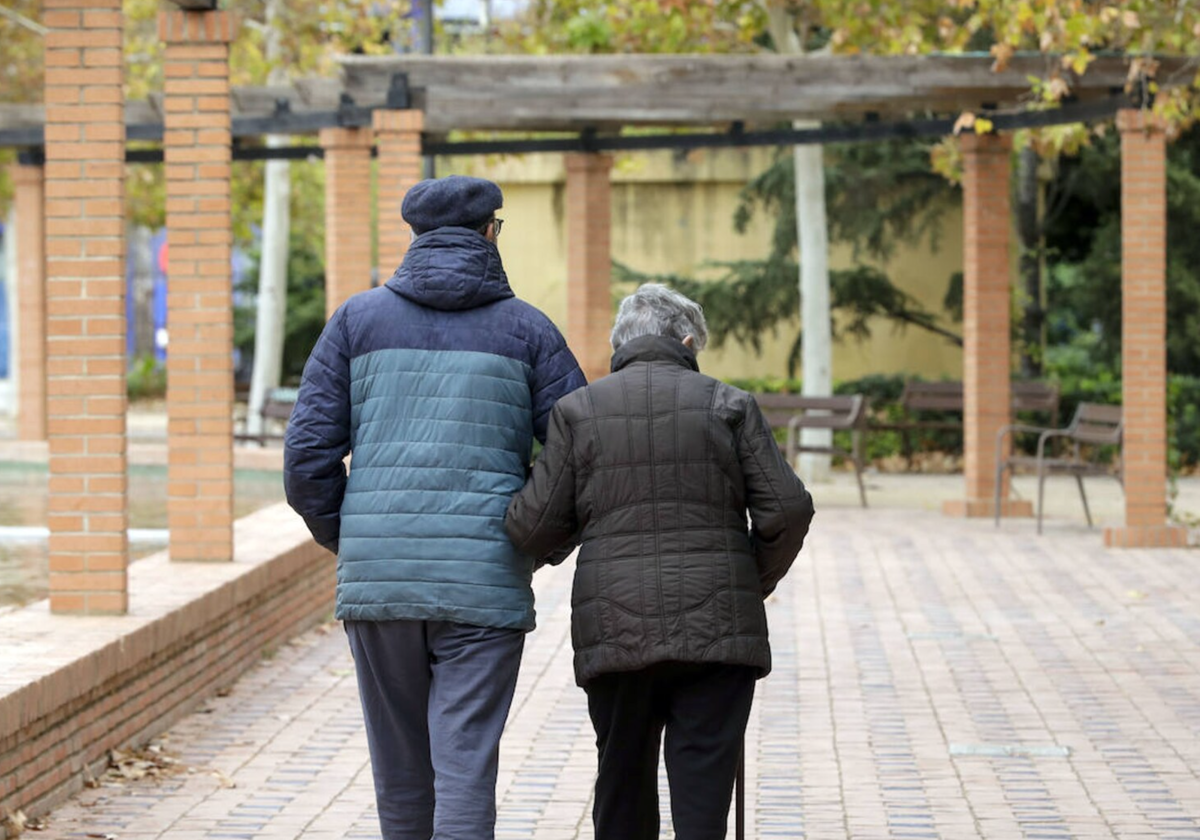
(135, 765)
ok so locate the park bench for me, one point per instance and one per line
(947, 397)
(839, 413)
(276, 410)
(1093, 426)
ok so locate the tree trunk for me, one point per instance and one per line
(812, 234)
(1029, 233)
(815, 317)
(271, 303)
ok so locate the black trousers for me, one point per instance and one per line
(704, 710)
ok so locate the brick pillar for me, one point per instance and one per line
(987, 356)
(1144, 334)
(398, 141)
(196, 151)
(29, 200)
(347, 213)
(589, 261)
(85, 306)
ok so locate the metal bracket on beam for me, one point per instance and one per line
(35, 156)
(399, 97)
(587, 141)
(350, 114)
(1141, 91)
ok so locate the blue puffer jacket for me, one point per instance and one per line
(437, 382)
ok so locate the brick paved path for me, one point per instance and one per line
(933, 678)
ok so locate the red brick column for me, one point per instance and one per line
(398, 141)
(589, 261)
(987, 356)
(85, 305)
(1144, 334)
(29, 200)
(347, 213)
(196, 151)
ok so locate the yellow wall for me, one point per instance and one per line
(673, 212)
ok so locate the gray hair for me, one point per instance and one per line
(656, 310)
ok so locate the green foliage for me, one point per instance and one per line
(641, 26)
(877, 196)
(1084, 246)
(305, 307)
(146, 379)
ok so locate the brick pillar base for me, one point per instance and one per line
(29, 200)
(85, 306)
(987, 222)
(398, 141)
(347, 213)
(1144, 335)
(196, 155)
(589, 261)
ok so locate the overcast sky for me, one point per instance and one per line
(472, 9)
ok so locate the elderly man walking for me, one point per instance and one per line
(655, 469)
(436, 382)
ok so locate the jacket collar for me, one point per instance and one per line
(654, 348)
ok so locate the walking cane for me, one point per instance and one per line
(739, 797)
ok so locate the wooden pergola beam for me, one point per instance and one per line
(573, 93)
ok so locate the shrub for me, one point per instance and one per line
(147, 379)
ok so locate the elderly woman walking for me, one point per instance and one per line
(654, 469)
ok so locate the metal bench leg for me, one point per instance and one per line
(1083, 495)
(856, 455)
(1041, 475)
(999, 484)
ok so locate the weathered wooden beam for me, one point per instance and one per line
(569, 92)
(572, 93)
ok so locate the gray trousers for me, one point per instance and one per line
(435, 696)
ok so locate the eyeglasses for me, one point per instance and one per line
(496, 225)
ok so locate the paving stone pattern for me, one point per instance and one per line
(934, 678)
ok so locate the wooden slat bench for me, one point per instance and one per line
(947, 397)
(276, 411)
(838, 413)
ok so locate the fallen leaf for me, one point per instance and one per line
(1136, 594)
(983, 126)
(14, 822)
(965, 121)
(223, 780)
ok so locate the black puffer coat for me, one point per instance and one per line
(654, 469)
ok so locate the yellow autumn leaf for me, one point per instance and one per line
(983, 125)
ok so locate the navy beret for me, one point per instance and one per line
(453, 201)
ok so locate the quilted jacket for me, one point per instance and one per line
(655, 469)
(437, 382)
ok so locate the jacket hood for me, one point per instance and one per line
(654, 348)
(451, 269)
